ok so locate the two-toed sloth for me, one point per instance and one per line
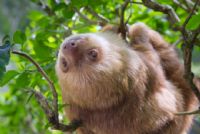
(119, 88)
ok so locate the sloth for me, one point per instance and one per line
(115, 87)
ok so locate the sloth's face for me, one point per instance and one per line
(90, 65)
(79, 51)
(89, 56)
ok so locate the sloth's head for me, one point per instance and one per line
(92, 52)
(93, 68)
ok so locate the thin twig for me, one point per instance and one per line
(102, 19)
(84, 17)
(130, 15)
(44, 104)
(43, 73)
(188, 113)
(52, 115)
(181, 5)
(191, 13)
(195, 34)
(135, 2)
(122, 27)
(166, 9)
(188, 4)
(177, 42)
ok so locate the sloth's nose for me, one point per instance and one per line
(72, 47)
(72, 44)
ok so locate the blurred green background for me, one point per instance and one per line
(37, 27)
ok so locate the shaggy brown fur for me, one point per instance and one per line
(115, 89)
(174, 70)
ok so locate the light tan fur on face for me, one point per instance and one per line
(129, 90)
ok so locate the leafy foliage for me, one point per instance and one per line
(19, 37)
(41, 37)
(194, 22)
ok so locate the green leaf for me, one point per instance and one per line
(35, 15)
(4, 54)
(194, 22)
(8, 76)
(164, 1)
(68, 12)
(23, 80)
(29, 97)
(19, 37)
(59, 6)
(47, 125)
(44, 22)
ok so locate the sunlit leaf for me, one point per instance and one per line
(194, 22)
(9, 75)
(35, 15)
(164, 1)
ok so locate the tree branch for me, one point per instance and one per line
(122, 26)
(51, 85)
(177, 42)
(187, 52)
(130, 15)
(84, 17)
(102, 19)
(188, 36)
(173, 17)
(177, 2)
(52, 115)
(195, 35)
(188, 113)
(191, 13)
(135, 2)
(188, 4)
(187, 56)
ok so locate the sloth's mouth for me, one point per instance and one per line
(64, 65)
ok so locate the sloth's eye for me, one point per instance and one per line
(92, 54)
(64, 65)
